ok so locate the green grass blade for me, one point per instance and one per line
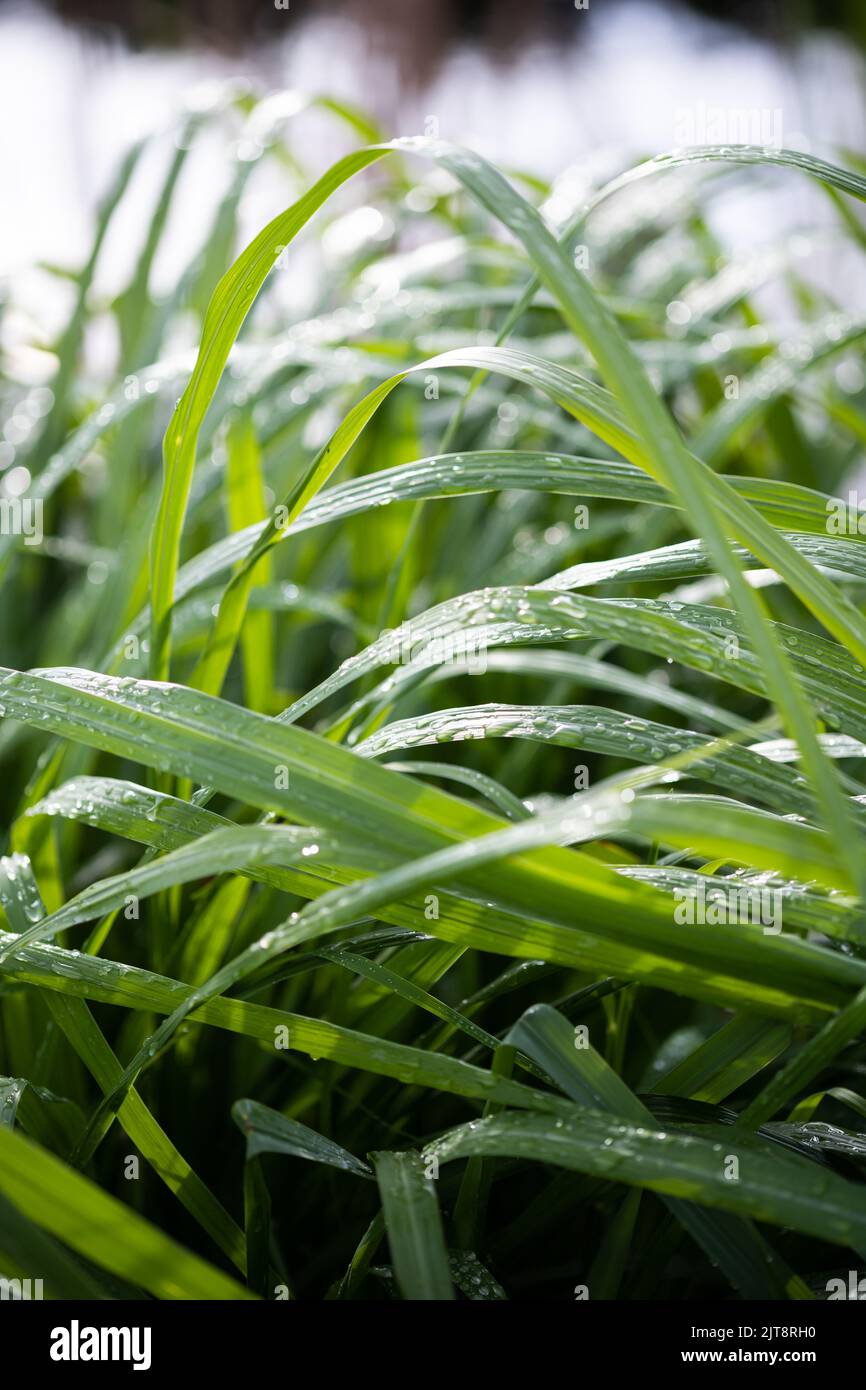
(414, 1227)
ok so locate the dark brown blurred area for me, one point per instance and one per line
(418, 33)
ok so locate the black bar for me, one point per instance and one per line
(255, 1338)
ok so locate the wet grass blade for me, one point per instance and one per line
(414, 1227)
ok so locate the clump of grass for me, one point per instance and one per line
(294, 1005)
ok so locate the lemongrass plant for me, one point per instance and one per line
(295, 1005)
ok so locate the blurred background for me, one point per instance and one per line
(531, 83)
